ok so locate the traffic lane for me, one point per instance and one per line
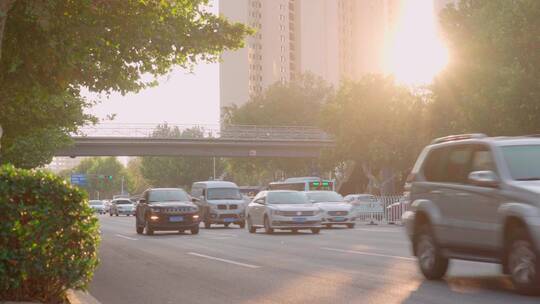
(334, 276)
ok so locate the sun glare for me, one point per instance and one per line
(415, 54)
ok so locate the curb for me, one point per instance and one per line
(74, 297)
(80, 297)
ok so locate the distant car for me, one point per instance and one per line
(122, 206)
(106, 206)
(283, 209)
(220, 202)
(336, 210)
(97, 206)
(166, 209)
(477, 198)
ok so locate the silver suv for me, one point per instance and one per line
(477, 198)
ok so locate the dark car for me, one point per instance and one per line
(166, 209)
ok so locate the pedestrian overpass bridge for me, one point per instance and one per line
(210, 140)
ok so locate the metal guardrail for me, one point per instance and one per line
(234, 132)
(386, 210)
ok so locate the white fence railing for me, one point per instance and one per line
(387, 209)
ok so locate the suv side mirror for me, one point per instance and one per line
(260, 201)
(484, 179)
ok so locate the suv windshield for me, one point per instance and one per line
(287, 198)
(167, 196)
(327, 197)
(224, 194)
(123, 202)
(523, 161)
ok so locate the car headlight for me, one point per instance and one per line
(156, 210)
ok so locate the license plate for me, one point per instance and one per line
(176, 219)
(229, 220)
(299, 219)
(339, 219)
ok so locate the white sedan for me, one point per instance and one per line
(336, 210)
(281, 209)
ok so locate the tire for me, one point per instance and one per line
(430, 260)
(350, 226)
(116, 214)
(523, 263)
(227, 224)
(148, 230)
(267, 228)
(315, 230)
(110, 213)
(250, 227)
(195, 230)
(207, 225)
(242, 224)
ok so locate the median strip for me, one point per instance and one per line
(126, 237)
(370, 254)
(223, 260)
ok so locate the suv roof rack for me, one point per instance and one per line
(457, 137)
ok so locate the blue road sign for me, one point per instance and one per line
(78, 179)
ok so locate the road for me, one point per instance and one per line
(368, 264)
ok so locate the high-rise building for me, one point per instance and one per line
(270, 55)
(59, 164)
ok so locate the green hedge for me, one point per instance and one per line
(48, 236)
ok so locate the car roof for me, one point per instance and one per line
(165, 189)
(216, 184)
(282, 191)
(496, 141)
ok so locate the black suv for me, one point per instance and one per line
(166, 209)
(477, 198)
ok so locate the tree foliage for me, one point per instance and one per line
(161, 171)
(297, 103)
(492, 83)
(52, 49)
(378, 124)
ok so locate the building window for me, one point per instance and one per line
(282, 27)
(281, 17)
(282, 48)
(282, 38)
(283, 69)
(282, 58)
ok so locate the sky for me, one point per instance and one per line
(180, 98)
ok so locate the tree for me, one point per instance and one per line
(297, 103)
(492, 83)
(162, 171)
(104, 176)
(380, 126)
(52, 49)
(139, 183)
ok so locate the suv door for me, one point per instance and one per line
(476, 206)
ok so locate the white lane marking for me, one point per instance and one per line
(370, 254)
(126, 237)
(223, 260)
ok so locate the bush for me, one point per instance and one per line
(48, 236)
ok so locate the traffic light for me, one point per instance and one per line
(109, 177)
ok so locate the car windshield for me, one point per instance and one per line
(224, 194)
(177, 195)
(123, 202)
(523, 161)
(96, 203)
(325, 196)
(287, 198)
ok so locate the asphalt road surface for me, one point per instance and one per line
(368, 264)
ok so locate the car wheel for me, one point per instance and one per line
(110, 213)
(523, 263)
(138, 227)
(315, 230)
(242, 224)
(116, 214)
(227, 224)
(148, 230)
(267, 228)
(207, 224)
(250, 227)
(430, 260)
(195, 230)
(350, 226)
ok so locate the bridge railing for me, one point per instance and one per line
(229, 132)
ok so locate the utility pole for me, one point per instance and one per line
(214, 176)
(122, 189)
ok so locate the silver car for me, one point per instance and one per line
(97, 206)
(477, 198)
(281, 209)
(335, 210)
(122, 206)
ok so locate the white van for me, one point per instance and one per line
(220, 202)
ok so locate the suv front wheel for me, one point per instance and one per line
(430, 260)
(523, 263)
